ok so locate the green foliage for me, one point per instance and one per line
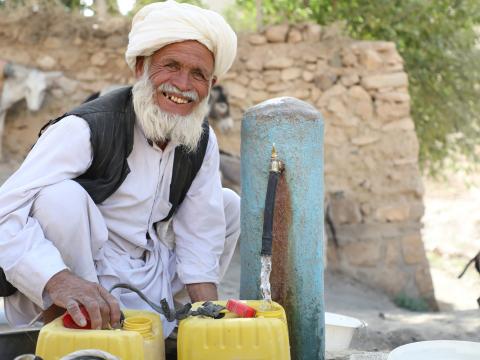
(141, 3)
(437, 40)
(413, 304)
(68, 5)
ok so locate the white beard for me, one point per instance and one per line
(161, 126)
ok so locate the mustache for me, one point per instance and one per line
(191, 95)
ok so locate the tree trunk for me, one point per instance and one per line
(101, 9)
(259, 15)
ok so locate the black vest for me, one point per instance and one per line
(111, 119)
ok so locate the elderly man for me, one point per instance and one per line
(126, 188)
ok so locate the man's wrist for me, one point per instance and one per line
(202, 292)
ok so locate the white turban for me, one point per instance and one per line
(162, 23)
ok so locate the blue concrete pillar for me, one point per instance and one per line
(296, 128)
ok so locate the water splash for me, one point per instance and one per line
(266, 261)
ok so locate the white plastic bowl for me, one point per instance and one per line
(339, 330)
(437, 350)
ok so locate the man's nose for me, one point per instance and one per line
(182, 81)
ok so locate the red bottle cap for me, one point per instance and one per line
(240, 308)
(70, 324)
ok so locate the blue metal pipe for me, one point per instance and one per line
(296, 128)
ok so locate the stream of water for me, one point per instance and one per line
(266, 269)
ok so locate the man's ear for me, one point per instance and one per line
(214, 81)
(139, 66)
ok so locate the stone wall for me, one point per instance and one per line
(373, 183)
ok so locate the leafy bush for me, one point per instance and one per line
(413, 304)
(438, 41)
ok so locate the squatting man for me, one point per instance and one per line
(102, 198)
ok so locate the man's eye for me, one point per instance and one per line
(172, 66)
(198, 75)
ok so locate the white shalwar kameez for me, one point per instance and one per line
(124, 243)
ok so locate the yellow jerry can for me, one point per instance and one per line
(263, 337)
(141, 338)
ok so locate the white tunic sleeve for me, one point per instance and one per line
(28, 259)
(199, 224)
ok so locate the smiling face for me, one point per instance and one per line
(181, 74)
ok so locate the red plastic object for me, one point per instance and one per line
(240, 308)
(70, 324)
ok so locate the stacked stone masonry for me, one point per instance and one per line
(373, 183)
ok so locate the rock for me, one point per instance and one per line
(309, 58)
(406, 124)
(47, 62)
(308, 76)
(291, 74)
(385, 81)
(52, 43)
(423, 280)
(361, 102)
(343, 209)
(259, 96)
(392, 110)
(277, 33)
(257, 84)
(363, 253)
(302, 94)
(294, 36)
(312, 33)
(370, 60)
(116, 41)
(89, 74)
(365, 140)
(359, 93)
(335, 91)
(271, 76)
(349, 59)
(325, 80)
(231, 75)
(315, 94)
(395, 96)
(392, 253)
(335, 136)
(69, 86)
(243, 80)
(393, 213)
(254, 75)
(236, 90)
(257, 39)
(278, 63)
(58, 93)
(336, 61)
(98, 59)
(349, 80)
(254, 64)
(337, 107)
(277, 87)
(413, 250)
(405, 161)
(392, 280)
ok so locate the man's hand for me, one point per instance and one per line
(70, 291)
(202, 292)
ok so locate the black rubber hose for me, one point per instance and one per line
(268, 213)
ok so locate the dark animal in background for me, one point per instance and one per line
(220, 109)
(476, 261)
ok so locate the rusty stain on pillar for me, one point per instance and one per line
(296, 128)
